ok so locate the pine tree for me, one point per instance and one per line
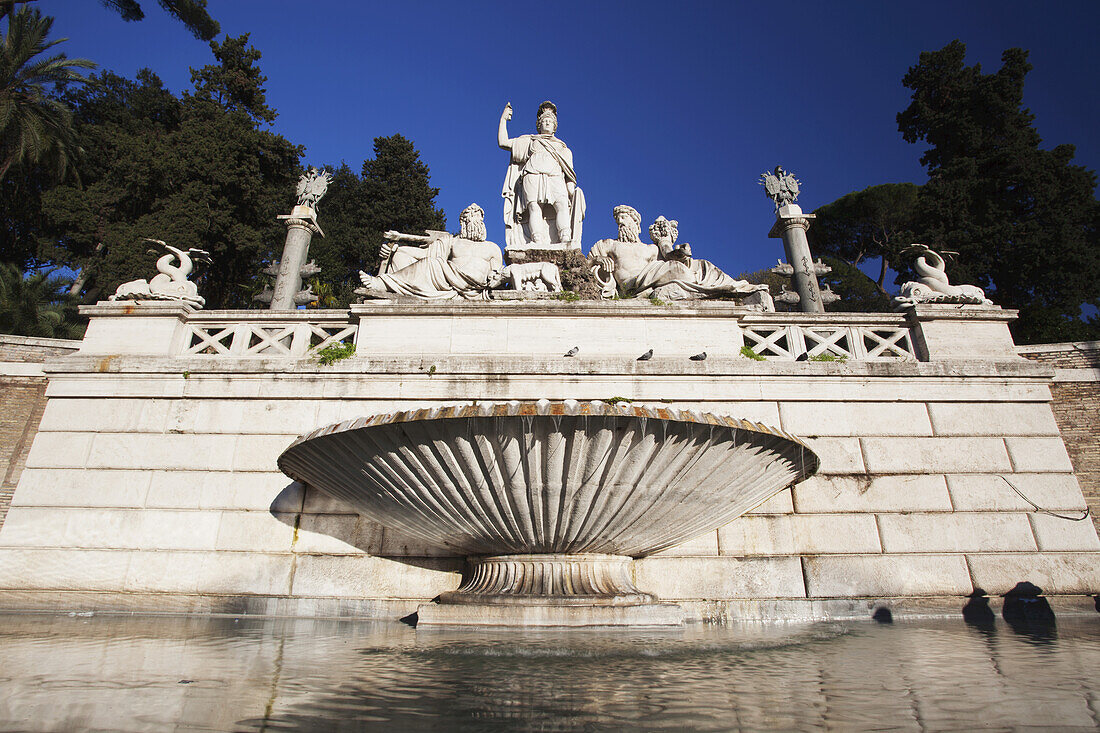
(1024, 220)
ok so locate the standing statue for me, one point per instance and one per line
(437, 266)
(664, 270)
(171, 282)
(781, 186)
(543, 208)
(312, 187)
(934, 287)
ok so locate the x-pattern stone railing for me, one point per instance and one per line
(781, 336)
(862, 337)
(233, 333)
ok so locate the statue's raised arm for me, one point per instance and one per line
(502, 131)
(543, 207)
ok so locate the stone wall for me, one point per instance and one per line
(22, 400)
(1076, 395)
(152, 483)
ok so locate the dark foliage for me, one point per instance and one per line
(1023, 219)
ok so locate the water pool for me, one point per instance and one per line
(125, 673)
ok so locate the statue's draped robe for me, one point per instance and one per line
(523, 184)
(439, 276)
(696, 278)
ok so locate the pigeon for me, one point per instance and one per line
(646, 356)
(572, 352)
(701, 356)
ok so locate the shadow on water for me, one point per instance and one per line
(1028, 613)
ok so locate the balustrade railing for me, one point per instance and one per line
(242, 335)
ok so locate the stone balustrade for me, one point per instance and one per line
(552, 328)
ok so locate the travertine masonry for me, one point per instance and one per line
(152, 482)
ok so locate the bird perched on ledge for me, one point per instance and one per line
(701, 356)
(646, 356)
(572, 352)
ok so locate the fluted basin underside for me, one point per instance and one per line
(550, 477)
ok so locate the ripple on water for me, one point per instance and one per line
(133, 673)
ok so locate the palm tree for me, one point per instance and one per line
(36, 305)
(35, 127)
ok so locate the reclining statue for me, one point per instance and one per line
(438, 266)
(628, 267)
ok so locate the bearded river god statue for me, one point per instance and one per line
(437, 266)
(627, 266)
(543, 207)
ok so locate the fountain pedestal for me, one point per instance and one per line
(588, 589)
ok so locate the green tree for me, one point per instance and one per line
(197, 171)
(394, 192)
(36, 305)
(35, 126)
(1024, 220)
(876, 222)
(192, 13)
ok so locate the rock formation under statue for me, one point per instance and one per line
(628, 267)
(550, 500)
(171, 282)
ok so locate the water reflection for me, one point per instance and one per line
(115, 673)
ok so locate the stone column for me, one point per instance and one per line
(301, 225)
(791, 225)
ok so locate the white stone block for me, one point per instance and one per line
(318, 502)
(1054, 572)
(935, 455)
(1058, 534)
(210, 572)
(846, 419)
(82, 488)
(54, 569)
(781, 503)
(992, 418)
(115, 386)
(363, 576)
(990, 492)
(243, 416)
(800, 534)
(149, 529)
(705, 545)
(168, 451)
(118, 415)
(904, 493)
(1038, 454)
(397, 545)
(256, 531)
(59, 450)
(338, 534)
(861, 576)
(253, 491)
(672, 578)
(955, 532)
(260, 452)
(838, 455)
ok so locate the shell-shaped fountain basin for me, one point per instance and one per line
(567, 477)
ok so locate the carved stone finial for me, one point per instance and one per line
(781, 187)
(312, 186)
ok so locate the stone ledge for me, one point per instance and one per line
(492, 364)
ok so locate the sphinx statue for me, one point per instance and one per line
(626, 266)
(438, 265)
(543, 207)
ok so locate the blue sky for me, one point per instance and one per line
(675, 110)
